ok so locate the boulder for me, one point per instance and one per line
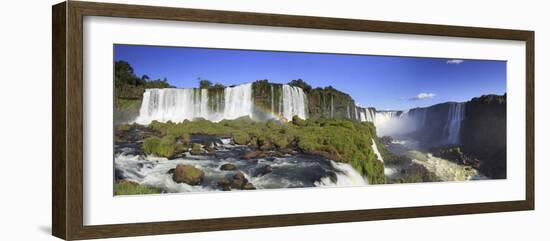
(188, 174)
(239, 181)
(196, 149)
(224, 184)
(332, 176)
(228, 167)
(263, 170)
(249, 186)
(254, 155)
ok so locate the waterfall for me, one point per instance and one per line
(445, 119)
(363, 115)
(370, 114)
(345, 177)
(272, 98)
(294, 102)
(383, 117)
(454, 122)
(238, 101)
(177, 105)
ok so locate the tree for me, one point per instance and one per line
(205, 84)
(219, 86)
(302, 84)
(124, 74)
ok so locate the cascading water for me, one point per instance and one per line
(370, 114)
(172, 105)
(383, 117)
(454, 122)
(294, 102)
(366, 114)
(238, 101)
(177, 105)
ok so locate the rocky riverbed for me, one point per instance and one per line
(221, 165)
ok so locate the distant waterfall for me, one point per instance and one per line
(383, 117)
(454, 122)
(438, 125)
(366, 114)
(177, 105)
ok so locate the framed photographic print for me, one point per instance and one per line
(170, 120)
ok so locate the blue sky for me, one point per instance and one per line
(384, 82)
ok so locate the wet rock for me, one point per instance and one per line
(211, 151)
(188, 174)
(332, 176)
(288, 151)
(334, 157)
(270, 159)
(196, 149)
(224, 184)
(254, 155)
(249, 186)
(228, 167)
(386, 140)
(179, 155)
(455, 154)
(171, 171)
(263, 170)
(119, 175)
(239, 181)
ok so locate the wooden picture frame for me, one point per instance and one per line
(67, 123)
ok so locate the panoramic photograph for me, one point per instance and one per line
(190, 119)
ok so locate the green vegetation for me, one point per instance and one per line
(128, 104)
(196, 148)
(302, 84)
(204, 84)
(132, 188)
(167, 146)
(341, 140)
(240, 138)
(129, 87)
(329, 102)
(267, 96)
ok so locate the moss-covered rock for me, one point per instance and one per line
(162, 147)
(240, 138)
(228, 167)
(196, 149)
(188, 174)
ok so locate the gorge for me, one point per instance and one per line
(298, 136)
